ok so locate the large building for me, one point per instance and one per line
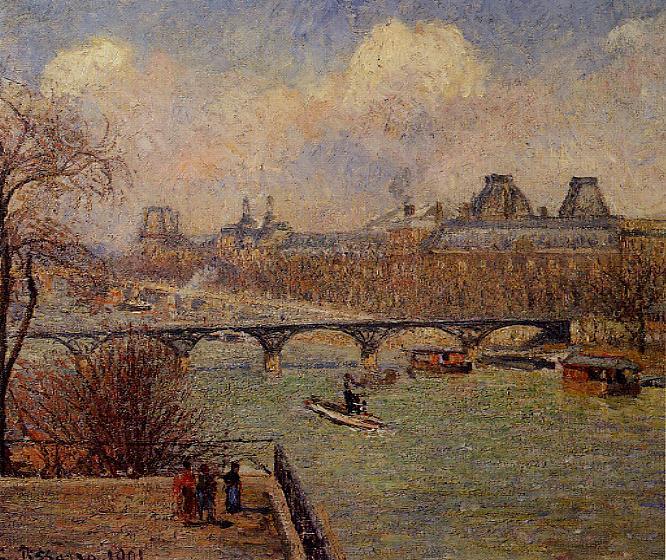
(246, 239)
(163, 251)
(160, 224)
(404, 228)
(500, 218)
(249, 238)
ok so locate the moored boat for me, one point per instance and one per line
(134, 306)
(657, 381)
(515, 361)
(600, 375)
(431, 361)
(338, 414)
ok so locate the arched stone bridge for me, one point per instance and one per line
(368, 335)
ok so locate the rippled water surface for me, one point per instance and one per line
(497, 464)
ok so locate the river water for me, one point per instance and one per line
(496, 464)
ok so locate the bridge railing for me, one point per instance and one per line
(317, 539)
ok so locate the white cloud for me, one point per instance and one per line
(429, 64)
(90, 67)
(418, 97)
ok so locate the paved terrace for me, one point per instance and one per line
(93, 516)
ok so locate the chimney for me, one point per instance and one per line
(171, 219)
(543, 212)
(162, 220)
(409, 209)
(246, 208)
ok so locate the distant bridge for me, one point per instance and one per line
(368, 335)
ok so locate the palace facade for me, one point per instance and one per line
(499, 218)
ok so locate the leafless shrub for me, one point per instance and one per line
(124, 407)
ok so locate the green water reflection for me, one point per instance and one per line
(497, 464)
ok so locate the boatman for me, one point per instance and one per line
(349, 398)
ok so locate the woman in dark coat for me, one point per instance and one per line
(233, 487)
(206, 490)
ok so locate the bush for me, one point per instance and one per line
(123, 408)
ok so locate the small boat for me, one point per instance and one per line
(657, 381)
(134, 306)
(515, 361)
(600, 375)
(430, 360)
(338, 414)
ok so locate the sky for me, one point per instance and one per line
(324, 103)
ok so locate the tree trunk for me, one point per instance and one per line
(5, 292)
(4, 449)
(7, 358)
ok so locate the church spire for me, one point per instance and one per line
(246, 219)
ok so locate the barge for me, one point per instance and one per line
(433, 362)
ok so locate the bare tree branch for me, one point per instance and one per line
(47, 151)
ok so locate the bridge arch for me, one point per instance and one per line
(520, 334)
(418, 335)
(332, 338)
(323, 329)
(274, 340)
(82, 348)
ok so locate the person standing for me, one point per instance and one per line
(184, 493)
(349, 398)
(206, 491)
(233, 487)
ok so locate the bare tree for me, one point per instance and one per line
(48, 154)
(123, 408)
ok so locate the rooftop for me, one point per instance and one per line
(542, 234)
(500, 199)
(584, 199)
(436, 350)
(610, 362)
(425, 216)
(348, 242)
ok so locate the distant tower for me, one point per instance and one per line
(247, 221)
(269, 216)
(160, 222)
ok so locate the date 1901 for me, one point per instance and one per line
(28, 553)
